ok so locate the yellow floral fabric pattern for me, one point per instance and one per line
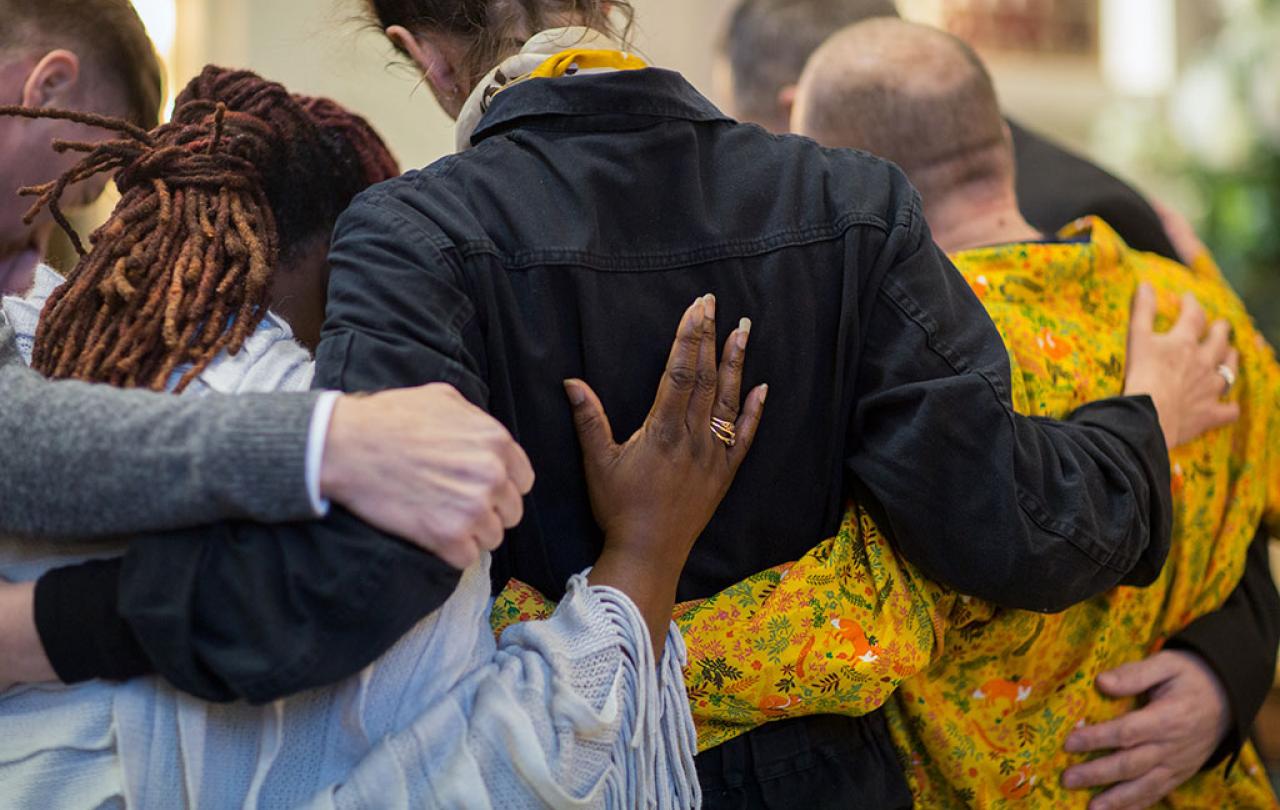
(980, 699)
(985, 725)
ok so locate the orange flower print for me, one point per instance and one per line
(1052, 345)
(851, 633)
(1020, 785)
(997, 689)
(778, 705)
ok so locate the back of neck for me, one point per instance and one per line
(967, 218)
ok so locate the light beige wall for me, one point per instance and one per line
(317, 47)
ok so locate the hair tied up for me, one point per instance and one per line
(495, 29)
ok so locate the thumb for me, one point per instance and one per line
(594, 433)
(1134, 679)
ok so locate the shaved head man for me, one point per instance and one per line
(765, 47)
(922, 99)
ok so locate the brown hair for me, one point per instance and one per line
(210, 202)
(768, 42)
(498, 28)
(107, 33)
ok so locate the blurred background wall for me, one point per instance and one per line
(323, 47)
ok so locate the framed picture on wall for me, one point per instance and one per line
(1062, 27)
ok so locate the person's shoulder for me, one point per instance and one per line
(417, 200)
(23, 312)
(864, 185)
(270, 360)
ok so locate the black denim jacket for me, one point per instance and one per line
(590, 213)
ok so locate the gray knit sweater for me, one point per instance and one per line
(93, 461)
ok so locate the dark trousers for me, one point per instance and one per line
(808, 762)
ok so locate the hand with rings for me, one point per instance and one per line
(659, 489)
(1188, 371)
(724, 431)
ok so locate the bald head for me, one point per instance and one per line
(910, 94)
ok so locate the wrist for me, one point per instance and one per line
(22, 656)
(1217, 689)
(639, 555)
(337, 444)
(637, 570)
(648, 542)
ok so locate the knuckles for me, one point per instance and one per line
(491, 473)
(706, 380)
(683, 378)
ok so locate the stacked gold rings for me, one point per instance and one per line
(724, 431)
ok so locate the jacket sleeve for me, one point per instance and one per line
(1239, 642)
(260, 612)
(94, 461)
(1027, 513)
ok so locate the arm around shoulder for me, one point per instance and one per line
(89, 460)
(1027, 513)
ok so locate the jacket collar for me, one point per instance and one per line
(571, 104)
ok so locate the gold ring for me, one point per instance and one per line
(724, 431)
(1228, 376)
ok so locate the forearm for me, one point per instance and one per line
(650, 584)
(242, 611)
(93, 461)
(1060, 511)
(22, 658)
(883, 624)
(1039, 514)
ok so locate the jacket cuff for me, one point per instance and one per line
(1133, 421)
(78, 618)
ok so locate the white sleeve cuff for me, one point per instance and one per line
(316, 437)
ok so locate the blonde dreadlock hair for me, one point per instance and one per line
(209, 203)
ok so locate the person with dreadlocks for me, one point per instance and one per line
(220, 226)
(220, 235)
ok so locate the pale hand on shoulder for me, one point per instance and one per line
(427, 465)
(1185, 371)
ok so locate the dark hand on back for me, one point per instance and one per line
(654, 494)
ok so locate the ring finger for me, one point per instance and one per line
(732, 361)
(1229, 371)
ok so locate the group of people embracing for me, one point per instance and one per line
(326, 485)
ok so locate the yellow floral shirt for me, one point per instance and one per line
(980, 699)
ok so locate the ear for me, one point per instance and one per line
(786, 102)
(53, 81)
(430, 53)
